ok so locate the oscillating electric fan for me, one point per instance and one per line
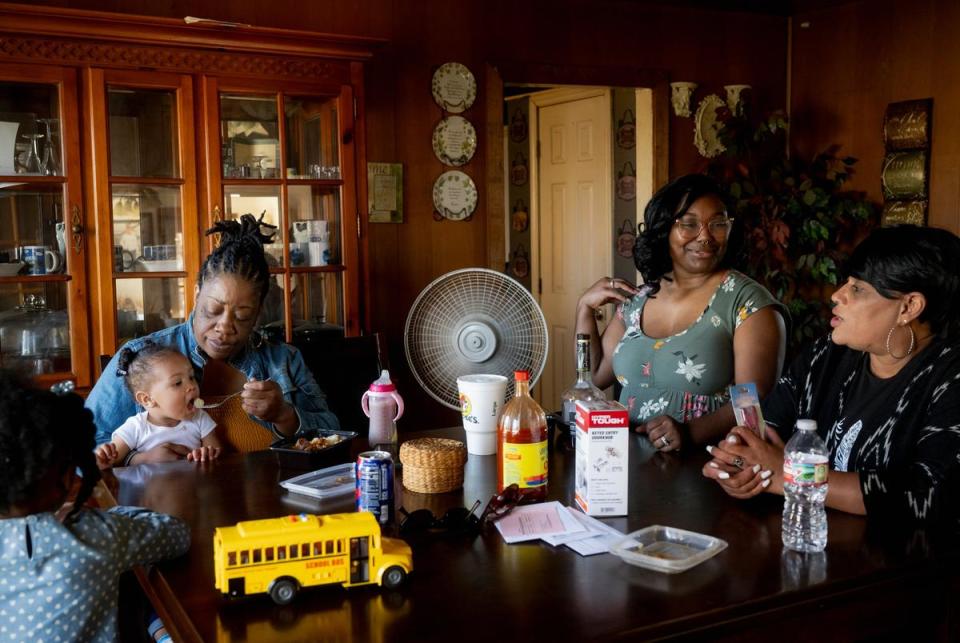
(473, 321)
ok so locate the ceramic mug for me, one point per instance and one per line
(122, 259)
(40, 260)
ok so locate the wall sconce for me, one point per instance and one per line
(680, 95)
(735, 98)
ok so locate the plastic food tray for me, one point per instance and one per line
(325, 483)
(667, 549)
(290, 458)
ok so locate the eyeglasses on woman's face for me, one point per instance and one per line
(690, 227)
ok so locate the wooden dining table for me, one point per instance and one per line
(873, 581)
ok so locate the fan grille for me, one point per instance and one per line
(452, 322)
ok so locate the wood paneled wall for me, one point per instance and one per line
(712, 48)
(849, 62)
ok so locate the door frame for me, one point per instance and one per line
(546, 99)
(497, 72)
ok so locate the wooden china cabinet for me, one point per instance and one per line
(123, 138)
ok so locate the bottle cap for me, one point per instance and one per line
(806, 425)
(383, 383)
(521, 376)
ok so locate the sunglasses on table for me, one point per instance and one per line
(460, 519)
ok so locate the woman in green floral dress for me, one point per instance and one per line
(695, 326)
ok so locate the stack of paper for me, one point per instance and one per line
(558, 525)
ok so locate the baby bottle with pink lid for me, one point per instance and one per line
(384, 406)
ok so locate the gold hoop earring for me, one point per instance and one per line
(913, 341)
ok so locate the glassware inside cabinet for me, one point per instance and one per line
(250, 137)
(317, 297)
(143, 133)
(34, 327)
(145, 305)
(147, 228)
(317, 302)
(312, 138)
(314, 213)
(30, 140)
(32, 230)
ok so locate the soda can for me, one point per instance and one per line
(375, 485)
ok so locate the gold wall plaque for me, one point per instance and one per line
(904, 175)
(897, 212)
(907, 125)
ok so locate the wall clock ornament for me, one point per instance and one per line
(707, 127)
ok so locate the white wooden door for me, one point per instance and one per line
(574, 222)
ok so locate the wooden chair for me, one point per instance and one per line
(344, 367)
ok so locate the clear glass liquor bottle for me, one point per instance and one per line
(583, 388)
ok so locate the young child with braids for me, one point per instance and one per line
(59, 561)
(161, 380)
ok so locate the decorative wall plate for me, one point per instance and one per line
(454, 195)
(454, 140)
(454, 87)
(706, 132)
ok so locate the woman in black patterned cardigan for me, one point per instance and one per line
(884, 388)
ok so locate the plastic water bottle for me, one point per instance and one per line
(384, 406)
(805, 467)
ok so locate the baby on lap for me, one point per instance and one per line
(162, 381)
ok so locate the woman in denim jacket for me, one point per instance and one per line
(279, 392)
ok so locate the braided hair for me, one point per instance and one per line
(137, 367)
(240, 252)
(40, 432)
(651, 252)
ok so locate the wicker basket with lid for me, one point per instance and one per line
(433, 465)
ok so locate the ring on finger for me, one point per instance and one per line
(738, 462)
(664, 440)
(612, 285)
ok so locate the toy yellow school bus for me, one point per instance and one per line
(281, 555)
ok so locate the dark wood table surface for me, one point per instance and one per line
(872, 581)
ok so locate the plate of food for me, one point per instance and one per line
(319, 449)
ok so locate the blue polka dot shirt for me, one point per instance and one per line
(59, 582)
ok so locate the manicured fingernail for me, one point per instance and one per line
(765, 484)
(766, 474)
(714, 465)
(709, 449)
(732, 439)
(756, 468)
(723, 475)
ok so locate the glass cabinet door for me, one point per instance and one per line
(289, 170)
(147, 234)
(42, 303)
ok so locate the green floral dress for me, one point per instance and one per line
(685, 375)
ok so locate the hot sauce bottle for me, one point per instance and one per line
(522, 443)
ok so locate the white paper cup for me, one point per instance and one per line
(481, 402)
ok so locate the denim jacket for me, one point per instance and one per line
(111, 402)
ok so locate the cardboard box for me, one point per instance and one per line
(603, 449)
